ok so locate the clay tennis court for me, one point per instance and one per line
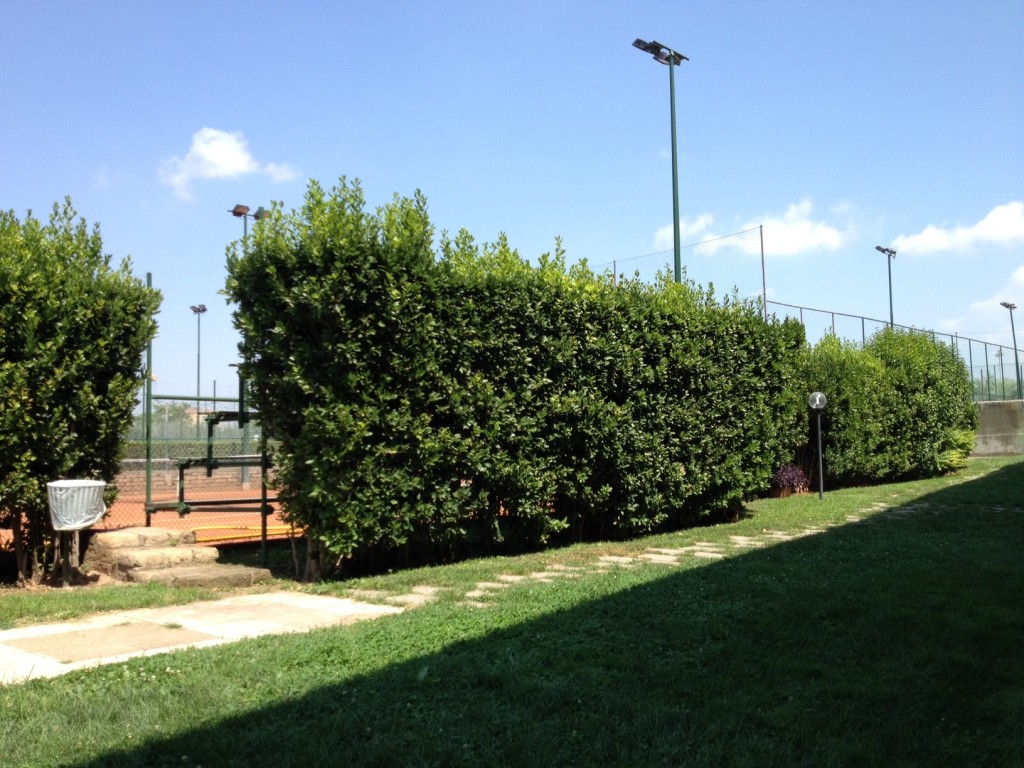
(217, 523)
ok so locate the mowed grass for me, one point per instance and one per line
(888, 632)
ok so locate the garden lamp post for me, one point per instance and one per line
(817, 401)
(890, 254)
(1016, 360)
(665, 55)
(199, 310)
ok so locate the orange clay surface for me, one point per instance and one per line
(235, 523)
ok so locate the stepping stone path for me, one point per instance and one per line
(484, 593)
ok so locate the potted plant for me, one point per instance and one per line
(787, 479)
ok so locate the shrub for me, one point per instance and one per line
(790, 477)
(901, 407)
(932, 399)
(857, 422)
(447, 403)
(72, 333)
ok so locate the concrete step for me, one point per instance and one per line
(166, 556)
(215, 575)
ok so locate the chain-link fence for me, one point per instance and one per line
(732, 263)
(202, 467)
(994, 368)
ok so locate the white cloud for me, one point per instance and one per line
(1013, 292)
(986, 319)
(216, 154)
(1004, 225)
(796, 232)
(688, 232)
(279, 172)
(792, 233)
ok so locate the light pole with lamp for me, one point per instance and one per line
(665, 55)
(1016, 360)
(242, 212)
(890, 254)
(199, 310)
(817, 401)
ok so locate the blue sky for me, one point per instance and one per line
(836, 126)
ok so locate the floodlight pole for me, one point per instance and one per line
(1016, 361)
(198, 310)
(890, 254)
(242, 212)
(665, 55)
(677, 264)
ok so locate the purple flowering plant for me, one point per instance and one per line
(789, 476)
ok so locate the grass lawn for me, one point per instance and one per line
(881, 626)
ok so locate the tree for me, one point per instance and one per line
(72, 333)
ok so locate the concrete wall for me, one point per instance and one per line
(1000, 428)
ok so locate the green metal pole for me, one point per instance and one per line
(199, 337)
(264, 506)
(148, 397)
(888, 260)
(678, 264)
(1016, 359)
(245, 427)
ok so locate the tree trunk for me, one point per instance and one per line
(20, 560)
(313, 571)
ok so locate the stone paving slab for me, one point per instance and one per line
(48, 650)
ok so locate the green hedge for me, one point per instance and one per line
(900, 407)
(73, 328)
(462, 400)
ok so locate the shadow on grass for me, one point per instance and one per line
(895, 641)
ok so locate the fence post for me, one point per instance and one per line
(148, 398)
(988, 383)
(764, 280)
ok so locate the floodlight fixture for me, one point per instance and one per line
(242, 212)
(661, 53)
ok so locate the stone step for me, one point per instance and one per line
(165, 556)
(141, 537)
(210, 575)
(116, 561)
